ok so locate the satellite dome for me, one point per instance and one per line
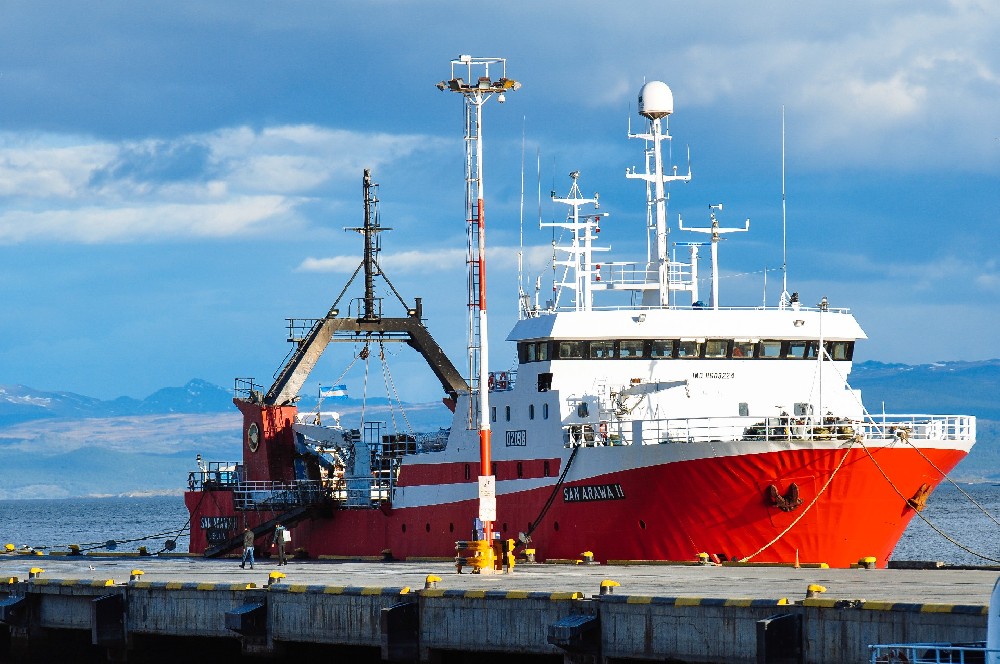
(656, 100)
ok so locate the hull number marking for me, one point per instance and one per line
(518, 438)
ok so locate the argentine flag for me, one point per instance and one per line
(334, 392)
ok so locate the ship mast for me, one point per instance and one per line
(475, 92)
(715, 230)
(656, 102)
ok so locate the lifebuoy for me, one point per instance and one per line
(492, 381)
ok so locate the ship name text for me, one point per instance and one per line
(591, 492)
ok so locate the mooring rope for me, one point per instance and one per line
(847, 452)
(929, 523)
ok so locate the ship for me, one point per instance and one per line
(655, 427)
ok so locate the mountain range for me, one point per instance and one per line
(61, 444)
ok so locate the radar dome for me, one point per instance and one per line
(655, 100)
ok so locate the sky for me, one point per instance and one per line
(176, 177)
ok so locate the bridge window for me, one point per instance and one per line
(689, 349)
(630, 348)
(840, 350)
(797, 349)
(600, 350)
(716, 348)
(570, 350)
(769, 349)
(661, 348)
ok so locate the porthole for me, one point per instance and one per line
(504, 527)
(404, 527)
(555, 525)
(427, 527)
(451, 527)
(642, 524)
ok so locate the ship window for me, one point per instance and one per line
(812, 349)
(769, 349)
(570, 350)
(520, 469)
(744, 409)
(545, 468)
(716, 348)
(797, 349)
(493, 413)
(600, 350)
(468, 472)
(544, 382)
(506, 413)
(531, 411)
(661, 348)
(493, 469)
(630, 348)
(528, 352)
(545, 411)
(542, 351)
(742, 349)
(839, 350)
(688, 349)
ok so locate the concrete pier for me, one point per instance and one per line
(399, 611)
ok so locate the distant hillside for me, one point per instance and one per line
(947, 388)
(19, 403)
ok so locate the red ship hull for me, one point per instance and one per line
(672, 511)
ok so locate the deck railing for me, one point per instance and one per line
(718, 429)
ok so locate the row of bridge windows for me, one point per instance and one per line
(665, 349)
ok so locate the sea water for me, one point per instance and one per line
(154, 522)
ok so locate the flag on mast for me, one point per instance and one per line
(334, 392)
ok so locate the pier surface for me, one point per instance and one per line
(921, 586)
(426, 612)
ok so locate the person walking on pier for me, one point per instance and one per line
(280, 539)
(247, 548)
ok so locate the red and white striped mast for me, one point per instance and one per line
(476, 87)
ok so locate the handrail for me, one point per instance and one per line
(717, 429)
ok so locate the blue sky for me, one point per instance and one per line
(175, 176)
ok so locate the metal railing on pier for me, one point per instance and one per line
(931, 653)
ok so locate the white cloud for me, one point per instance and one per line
(223, 183)
(420, 261)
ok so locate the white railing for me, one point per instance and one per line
(271, 495)
(718, 429)
(928, 653)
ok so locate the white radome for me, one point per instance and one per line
(655, 100)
